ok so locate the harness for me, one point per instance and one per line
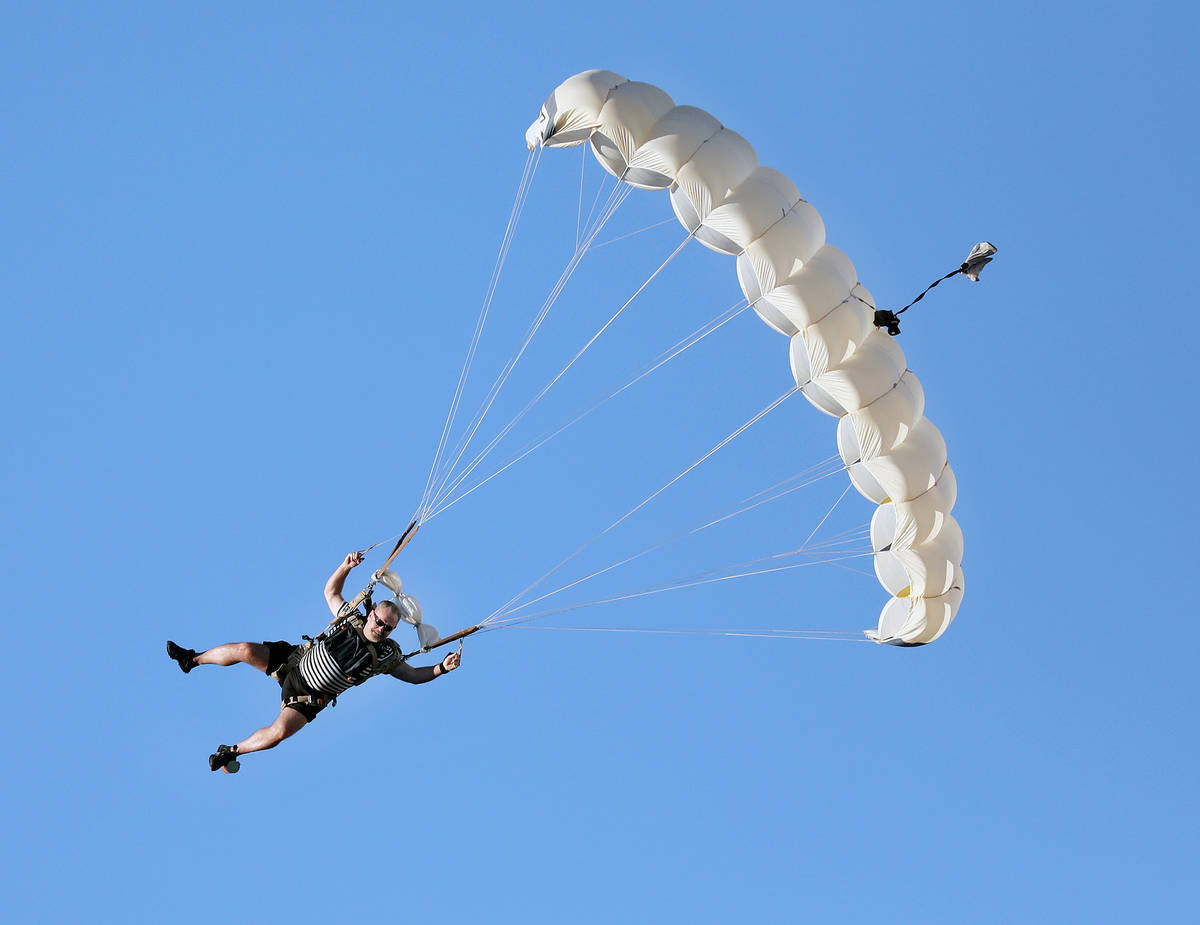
(358, 659)
(313, 700)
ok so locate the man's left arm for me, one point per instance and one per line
(406, 672)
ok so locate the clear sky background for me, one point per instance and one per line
(242, 253)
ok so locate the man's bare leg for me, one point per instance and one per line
(232, 653)
(288, 723)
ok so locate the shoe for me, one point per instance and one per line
(224, 760)
(185, 657)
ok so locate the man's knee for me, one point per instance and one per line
(288, 723)
(253, 654)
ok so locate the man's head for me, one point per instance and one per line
(381, 621)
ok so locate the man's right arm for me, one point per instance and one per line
(333, 587)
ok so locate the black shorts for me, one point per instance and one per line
(291, 684)
(278, 653)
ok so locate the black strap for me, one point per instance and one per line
(318, 700)
(891, 320)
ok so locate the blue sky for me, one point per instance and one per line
(244, 249)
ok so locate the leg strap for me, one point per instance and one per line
(315, 700)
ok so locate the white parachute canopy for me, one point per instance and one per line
(808, 291)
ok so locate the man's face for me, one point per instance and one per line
(379, 624)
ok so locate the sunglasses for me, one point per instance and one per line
(384, 628)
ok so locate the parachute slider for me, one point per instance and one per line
(389, 579)
(980, 256)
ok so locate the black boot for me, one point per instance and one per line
(185, 657)
(224, 760)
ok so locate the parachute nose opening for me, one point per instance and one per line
(539, 131)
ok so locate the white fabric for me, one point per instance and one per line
(673, 141)
(815, 289)
(919, 620)
(709, 177)
(913, 466)
(870, 370)
(910, 523)
(925, 570)
(410, 610)
(427, 635)
(809, 291)
(980, 256)
(831, 342)
(389, 580)
(625, 122)
(755, 205)
(572, 111)
(884, 423)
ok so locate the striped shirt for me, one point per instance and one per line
(321, 672)
(345, 658)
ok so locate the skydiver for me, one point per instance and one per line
(310, 676)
